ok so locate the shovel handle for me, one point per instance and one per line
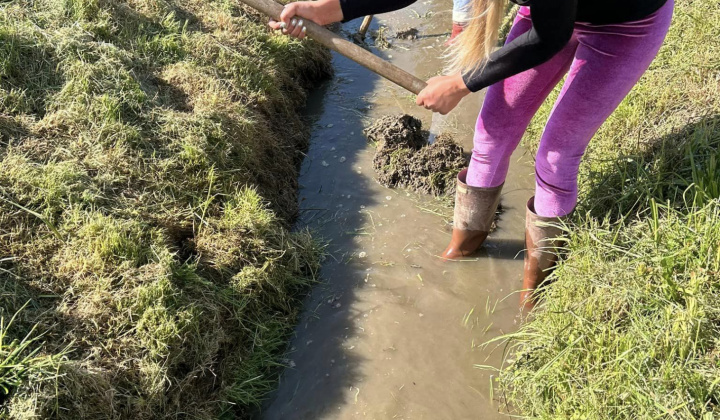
(336, 43)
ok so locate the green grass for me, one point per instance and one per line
(20, 361)
(631, 327)
(628, 328)
(148, 170)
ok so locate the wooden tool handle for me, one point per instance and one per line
(346, 48)
(365, 26)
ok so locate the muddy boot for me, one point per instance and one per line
(474, 214)
(457, 29)
(540, 252)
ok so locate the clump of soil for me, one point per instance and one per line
(397, 130)
(403, 157)
(410, 34)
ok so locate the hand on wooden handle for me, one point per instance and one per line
(323, 12)
(443, 93)
(294, 16)
(292, 19)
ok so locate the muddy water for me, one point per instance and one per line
(393, 332)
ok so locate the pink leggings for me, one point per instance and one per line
(604, 63)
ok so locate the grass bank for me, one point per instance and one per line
(148, 174)
(630, 327)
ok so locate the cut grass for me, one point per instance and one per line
(148, 172)
(628, 327)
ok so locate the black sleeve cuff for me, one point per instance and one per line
(353, 9)
(473, 82)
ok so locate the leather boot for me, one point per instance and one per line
(474, 214)
(457, 29)
(541, 252)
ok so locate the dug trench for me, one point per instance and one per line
(147, 276)
(393, 330)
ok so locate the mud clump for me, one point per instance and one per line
(409, 34)
(404, 159)
(397, 131)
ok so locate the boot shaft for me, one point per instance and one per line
(541, 248)
(474, 207)
(474, 215)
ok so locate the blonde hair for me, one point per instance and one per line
(479, 38)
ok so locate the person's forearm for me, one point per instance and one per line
(352, 9)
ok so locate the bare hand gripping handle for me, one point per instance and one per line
(346, 48)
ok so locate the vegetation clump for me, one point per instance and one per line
(148, 174)
(628, 328)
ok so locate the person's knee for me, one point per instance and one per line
(556, 177)
(555, 193)
(489, 150)
(501, 135)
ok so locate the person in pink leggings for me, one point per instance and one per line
(603, 47)
(602, 64)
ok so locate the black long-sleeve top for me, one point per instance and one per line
(552, 27)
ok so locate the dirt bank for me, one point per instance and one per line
(141, 143)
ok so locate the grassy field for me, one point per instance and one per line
(142, 273)
(630, 327)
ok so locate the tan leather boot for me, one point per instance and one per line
(541, 252)
(474, 214)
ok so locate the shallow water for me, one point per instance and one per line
(393, 331)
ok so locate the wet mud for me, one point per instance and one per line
(403, 157)
(408, 34)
